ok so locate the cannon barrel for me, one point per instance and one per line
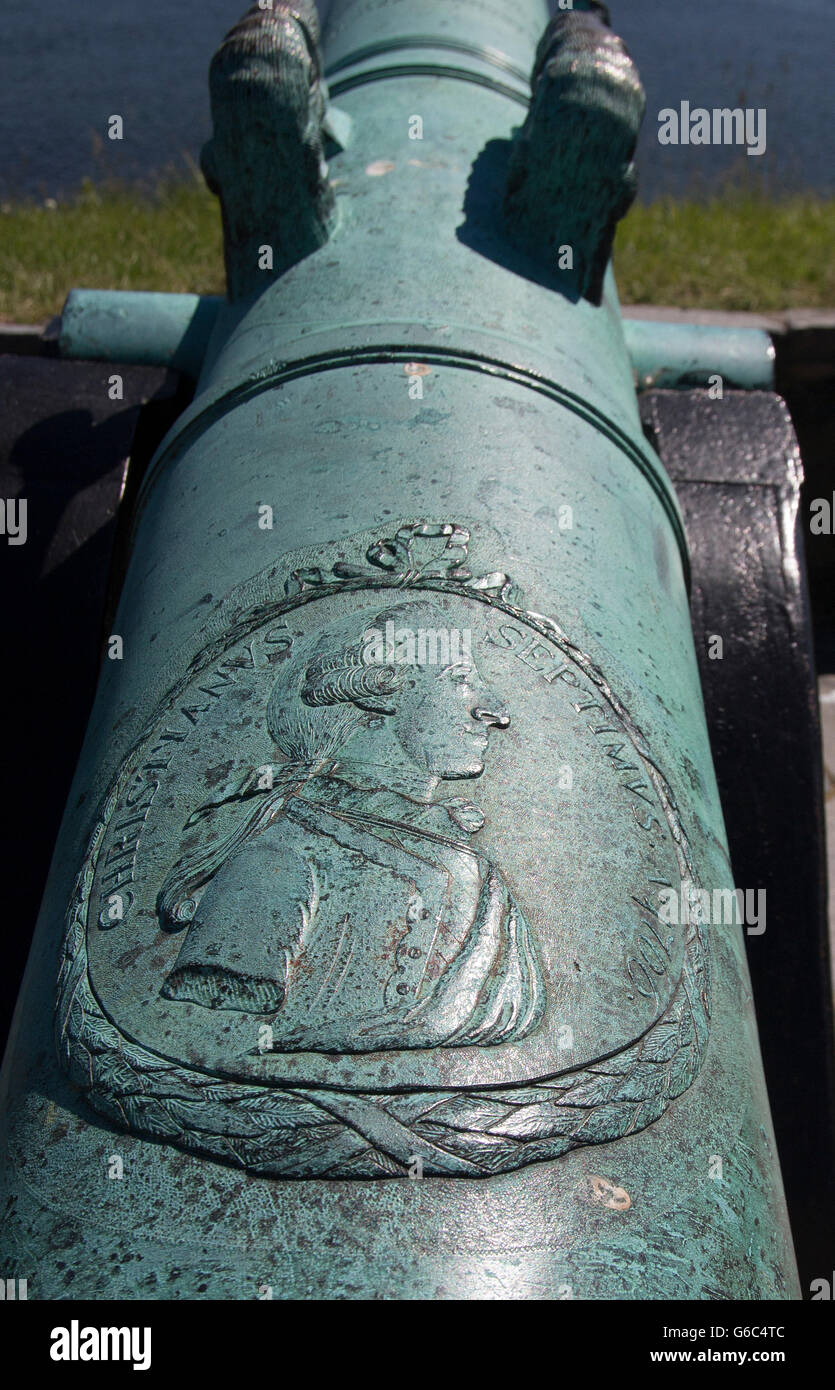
(390, 946)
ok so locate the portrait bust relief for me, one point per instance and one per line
(349, 905)
(337, 909)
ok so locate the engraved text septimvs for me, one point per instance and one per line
(381, 880)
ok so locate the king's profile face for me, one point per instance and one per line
(443, 718)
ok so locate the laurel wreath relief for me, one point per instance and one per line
(282, 1131)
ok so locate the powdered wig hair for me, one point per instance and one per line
(330, 692)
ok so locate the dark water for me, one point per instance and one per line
(66, 65)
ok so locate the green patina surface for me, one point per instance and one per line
(739, 250)
(362, 968)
